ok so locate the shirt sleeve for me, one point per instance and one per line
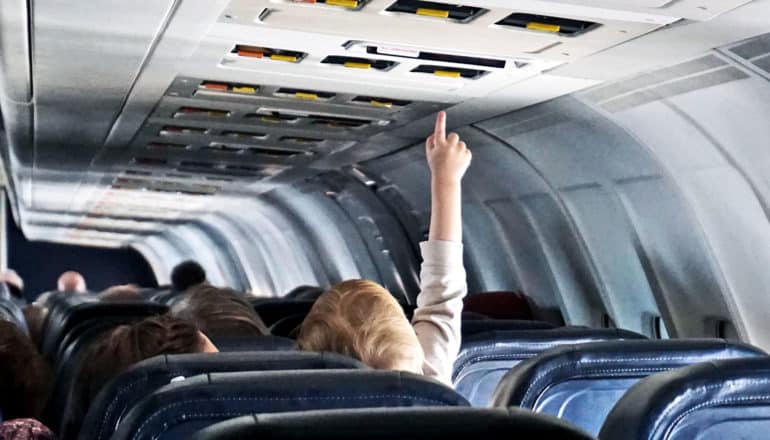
(437, 319)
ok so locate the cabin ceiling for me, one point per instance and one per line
(122, 118)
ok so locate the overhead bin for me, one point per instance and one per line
(208, 87)
(282, 153)
(197, 112)
(380, 102)
(347, 4)
(176, 130)
(566, 27)
(301, 140)
(274, 116)
(416, 53)
(267, 53)
(167, 146)
(359, 63)
(244, 135)
(311, 95)
(458, 13)
(450, 72)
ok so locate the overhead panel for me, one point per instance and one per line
(465, 30)
(679, 9)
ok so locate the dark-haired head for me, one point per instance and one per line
(187, 274)
(219, 313)
(25, 378)
(119, 348)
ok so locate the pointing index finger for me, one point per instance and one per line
(439, 134)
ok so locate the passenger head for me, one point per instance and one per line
(121, 293)
(25, 378)
(361, 319)
(187, 274)
(71, 281)
(219, 313)
(14, 282)
(25, 429)
(118, 349)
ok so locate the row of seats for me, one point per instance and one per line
(577, 374)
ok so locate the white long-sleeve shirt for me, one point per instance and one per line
(437, 319)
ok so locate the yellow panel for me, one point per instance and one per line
(376, 103)
(302, 95)
(433, 13)
(447, 73)
(271, 119)
(288, 58)
(245, 89)
(354, 65)
(343, 3)
(535, 26)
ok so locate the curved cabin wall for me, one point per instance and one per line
(641, 204)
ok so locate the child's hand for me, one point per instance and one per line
(448, 156)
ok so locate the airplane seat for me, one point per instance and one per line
(395, 423)
(581, 383)
(307, 293)
(251, 343)
(724, 399)
(10, 311)
(122, 393)
(180, 409)
(500, 305)
(484, 358)
(73, 350)
(72, 310)
(473, 316)
(476, 326)
(271, 310)
(151, 293)
(286, 327)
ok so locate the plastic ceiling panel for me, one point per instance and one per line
(214, 59)
(688, 9)
(479, 37)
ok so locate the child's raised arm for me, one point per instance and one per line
(448, 158)
(442, 278)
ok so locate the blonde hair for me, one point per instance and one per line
(360, 319)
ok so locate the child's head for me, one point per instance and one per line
(361, 319)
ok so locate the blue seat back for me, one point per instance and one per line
(582, 383)
(180, 409)
(67, 311)
(472, 327)
(395, 424)
(727, 399)
(122, 393)
(485, 357)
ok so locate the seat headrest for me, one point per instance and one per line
(395, 423)
(273, 309)
(252, 343)
(476, 326)
(11, 312)
(523, 344)
(120, 394)
(72, 310)
(184, 407)
(523, 385)
(710, 400)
